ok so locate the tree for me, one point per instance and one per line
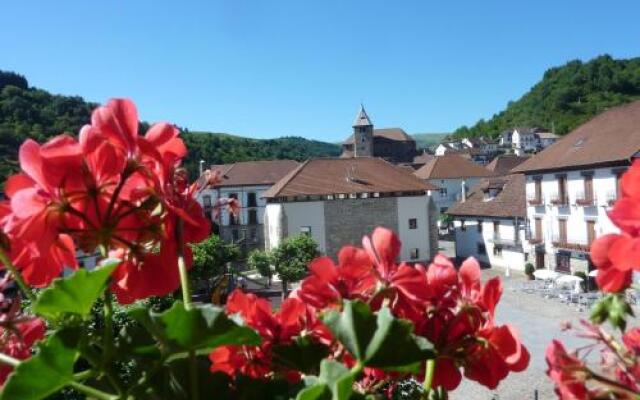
(261, 261)
(210, 257)
(292, 256)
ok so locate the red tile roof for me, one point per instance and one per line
(503, 164)
(388, 133)
(325, 176)
(254, 172)
(451, 166)
(509, 201)
(611, 137)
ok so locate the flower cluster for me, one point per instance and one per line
(111, 189)
(452, 309)
(616, 255)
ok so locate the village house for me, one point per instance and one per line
(392, 144)
(245, 181)
(337, 201)
(489, 223)
(453, 175)
(527, 140)
(482, 143)
(572, 184)
(504, 163)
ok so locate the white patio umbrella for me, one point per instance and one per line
(545, 274)
(576, 280)
(593, 273)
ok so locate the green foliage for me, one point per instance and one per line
(428, 139)
(293, 255)
(381, 340)
(334, 383)
(46, 372)
(567, 96)
(210, 257)
(76, 294)
(613, 308)
(34, 113)
(260, 261)
(529, 269)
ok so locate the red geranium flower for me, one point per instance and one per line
(567, 372)
(17, 340)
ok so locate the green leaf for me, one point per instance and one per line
(614, 308)
(74, 294)
(334, 383)
(46, 372)
(380, 340)
(303, 355)
(202, 327)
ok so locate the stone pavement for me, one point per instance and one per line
(538, 322)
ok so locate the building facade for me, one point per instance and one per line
(571, 185)
(245, 181)
(490, 224)
(338, 201)
(391, 144)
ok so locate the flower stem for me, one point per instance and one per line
(193, 375)
(16, 276)
(430, 368)
(182, 266)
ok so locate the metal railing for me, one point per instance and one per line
(534, 200)
(570, 243)
(585, 198)
(559, 199)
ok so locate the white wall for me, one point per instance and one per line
(454, 190)
(308, 213)
(273, 228)
(467, 242)
(243, 196)
(604, 185)
(414, 207)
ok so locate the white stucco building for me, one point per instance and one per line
(490, 223)
(572, 184)
(245, 181)
(452, 174)
(338, 201)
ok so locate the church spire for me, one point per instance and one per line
(362, 119)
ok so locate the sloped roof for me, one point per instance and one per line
(610, 137)
(323, 176)
(254, 172)
(509, 201)
(547, 135)
(451, 166)
(423, 158)
(362, 119)
(503, 164)
(388, 133)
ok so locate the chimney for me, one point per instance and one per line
(463, 193)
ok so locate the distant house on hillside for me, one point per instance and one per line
(454, 175)
(527, 140)
(572, 184)
(338, 201)
(245, 181)
(392, 144)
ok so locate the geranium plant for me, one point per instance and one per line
(352, 329)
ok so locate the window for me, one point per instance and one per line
(413, 223)
(415, 254)
(305, 230)
(479, 226)
(562, 189)
(482, 249)
(538, 234)
(251, 200)
(538, 189)
(253, 235)
(253, 217)
(591, 232)
(206, 200)
(443, 192)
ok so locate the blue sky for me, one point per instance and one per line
(273, 68)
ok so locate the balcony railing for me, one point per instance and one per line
(585, 199)
(559, 199)
(534, 200)
(536, 240)
(570, 243)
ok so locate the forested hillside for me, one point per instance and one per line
(567, 96)
(27, 112)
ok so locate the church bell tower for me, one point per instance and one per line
(362, 135)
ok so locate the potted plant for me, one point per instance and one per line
(528, 270)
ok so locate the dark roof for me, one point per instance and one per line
(509, 201)
(324, 176)
(254, 172)
(503, 164)
(397, 134)
(451, 166)
(610, 137)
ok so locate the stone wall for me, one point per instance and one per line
(348, 220)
